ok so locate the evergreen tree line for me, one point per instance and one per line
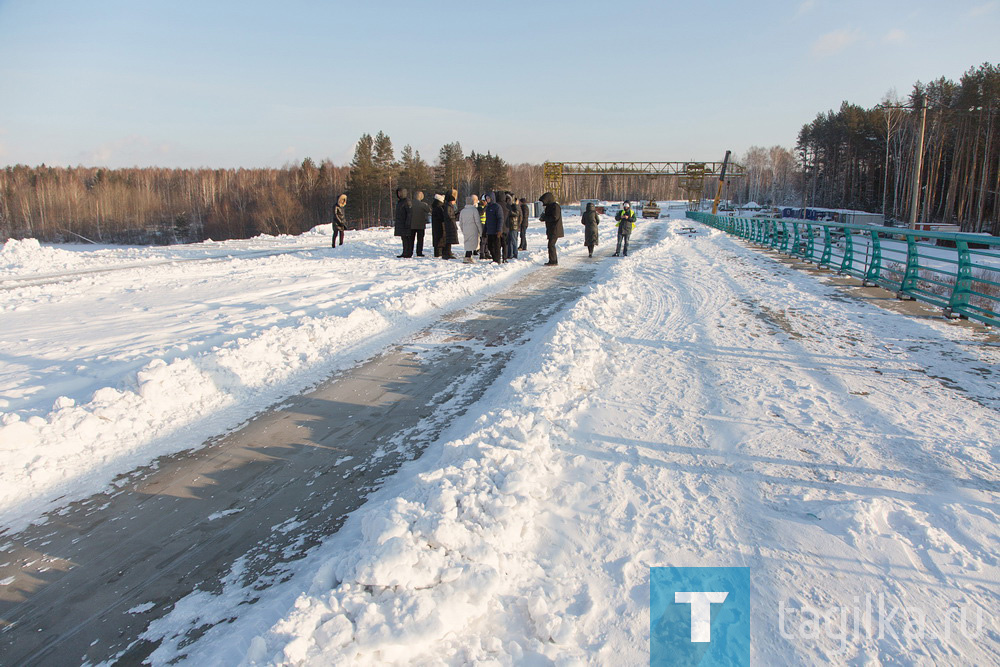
(865, 158)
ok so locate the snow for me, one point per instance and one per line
(115, 356)
(666, 421)
(701, 405)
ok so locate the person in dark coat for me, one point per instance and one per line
(625, 219)
(552, 217)
(523, 206)
(513, 227)
(504, 202)
(402, 221)
(419, 213)
(437, 223)
(590, 221)
(494, 227)
(450, 225)
(339, 220)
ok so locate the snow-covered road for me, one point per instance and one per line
(702, 405)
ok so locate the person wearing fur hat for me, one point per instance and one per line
(339, 220)
(437, 223)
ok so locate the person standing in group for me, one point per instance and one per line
(502, 200)
(552, 217)
(437, 223)
(523, 208)
(450, 235)
(402, 221)
(494, 227)
(590, 222)
(513, 227)
(472, 229)
(418, 220)
(339, 220)
(625, 219)
(483, 250)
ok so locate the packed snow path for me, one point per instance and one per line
(260, 497)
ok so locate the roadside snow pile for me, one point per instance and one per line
(28, 255)
(108, 372)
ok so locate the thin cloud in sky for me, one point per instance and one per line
(895, 36)
(982, 10)
(834, 42)
(805, 7)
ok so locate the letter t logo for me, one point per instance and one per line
(701, 611)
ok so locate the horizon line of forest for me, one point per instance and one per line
(853, 158)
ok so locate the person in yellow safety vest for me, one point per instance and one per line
(484, 251)
(625, 219)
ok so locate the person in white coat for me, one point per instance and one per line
(468, 220)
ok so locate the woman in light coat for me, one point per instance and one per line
(468, 220)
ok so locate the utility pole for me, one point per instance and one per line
(920, 163)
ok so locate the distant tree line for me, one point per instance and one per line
(865, 158)
(155, 205)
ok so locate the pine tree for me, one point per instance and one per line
(386, 169)
(362, 183)
(414, 173)
(451, 168)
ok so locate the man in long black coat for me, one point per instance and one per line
(552, 217)
(402, 221)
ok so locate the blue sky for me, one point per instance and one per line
(216, 83)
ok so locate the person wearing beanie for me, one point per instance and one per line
(339, 220)
(625, 219)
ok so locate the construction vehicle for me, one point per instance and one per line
(651, 210)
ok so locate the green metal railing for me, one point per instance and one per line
(963, 276)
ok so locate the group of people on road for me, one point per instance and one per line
(493, 226)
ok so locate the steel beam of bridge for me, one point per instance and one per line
(692, 174)
(639, 168)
